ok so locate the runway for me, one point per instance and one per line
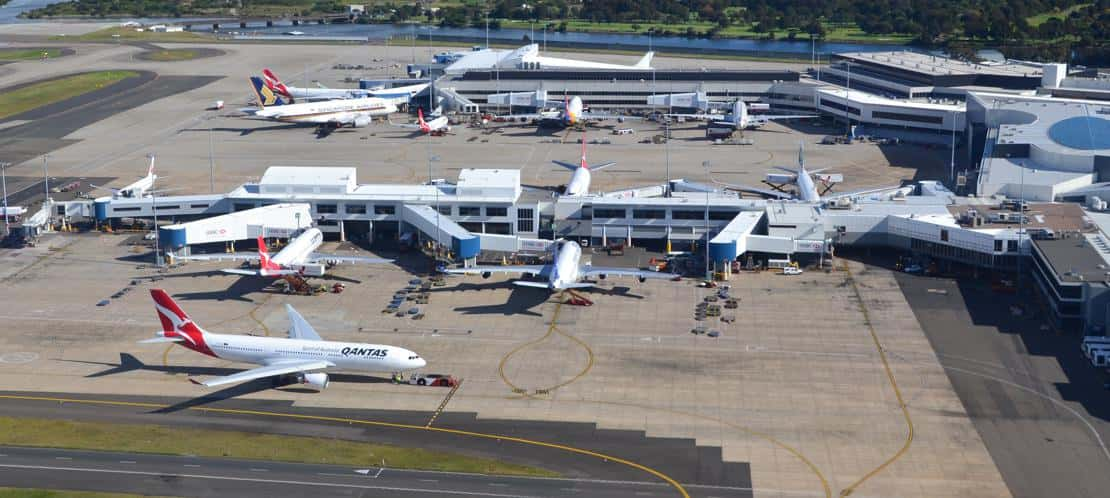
(586, 472)
(165, 475)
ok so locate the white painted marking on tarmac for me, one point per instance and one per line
(192, 465)
(428, 480)
(500, 484)
(3, 455)
(259, 470)
(764, 349)
(127, 461)
(63, 458)
(363, 471)
(272, 481)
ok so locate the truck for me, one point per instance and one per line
(714, 131)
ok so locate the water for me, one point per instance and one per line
(10, 13)
(517, 36)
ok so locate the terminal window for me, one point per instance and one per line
(723, 215)
(649, 214)
(497, 211)
(524, 222)
(686, 214)
(445, 210)
(327, 208)
(609, 213)
(470, 211)
(897, 116)
(355, 208)
(384, 210)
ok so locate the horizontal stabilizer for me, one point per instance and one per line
(161, 340)
(538, 285)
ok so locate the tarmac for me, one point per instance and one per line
(797, 397)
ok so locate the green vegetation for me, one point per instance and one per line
(50, 493)
(142, 438)
(27, 54)
(171, 55)
(117, 34)
(1059, 14)
(43, 93)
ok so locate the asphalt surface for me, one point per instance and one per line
(1034, 399)
(680, 459)
(47, 126)
(166, 475)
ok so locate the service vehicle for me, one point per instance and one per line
(437, 380)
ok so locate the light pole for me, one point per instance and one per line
(847, 89)
(952, 161)
(211, 162)
(46, 176)
(4, 181)
(708, 270)
(667, 151)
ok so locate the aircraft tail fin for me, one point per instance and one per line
(265, 95)
(584, 164)
(275, 84)
(264, 261)
(420, 119)
(645, 61)
(150, 170)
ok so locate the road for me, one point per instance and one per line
(165, 475)
(1039, 407)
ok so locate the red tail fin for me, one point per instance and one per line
(583, 164)
(420, 117)
(264, 261)
(275, 84)
(176, 324)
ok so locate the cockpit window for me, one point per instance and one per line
(414, 357)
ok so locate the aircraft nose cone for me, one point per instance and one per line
(420, 363)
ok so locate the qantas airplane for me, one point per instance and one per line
(579, 183)
(437, 126)
(296, 258)
(397, 95)
(303, 355)
(137, 189)
(355, 113)
(564, 272)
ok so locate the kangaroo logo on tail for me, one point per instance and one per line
(275, 84)
(420, 117)
(264, 261)
(175, 323)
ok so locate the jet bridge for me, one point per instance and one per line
(442, 229)
(732, 241)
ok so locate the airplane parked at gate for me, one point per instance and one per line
(396, 95)
(805, 184)
(737, 119)
(137, 189)
(579, 183)
(303, 356)
(565, 271)
(437, 126)
(568, 112)
(298, 257)
(355, 113)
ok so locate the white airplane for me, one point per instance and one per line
(579, 183)
(137, 189)
(528, 57)
(298, 257)
(564, 272)
(567, 112)
(437, 126)
(737, 119)
(397, 95)
(356, 113)
(303, 356)
(805, 184)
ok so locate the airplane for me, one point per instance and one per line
(137, 189)
(805, 183)
(303, 355)
(397, 95)
(565, 272)
(568, 112)
(355, 113)
(738, 119)
(437, 126)
(579, 183)
(298, 257)
(528, 57)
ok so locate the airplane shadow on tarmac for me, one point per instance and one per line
(521, 299)
(129, 363)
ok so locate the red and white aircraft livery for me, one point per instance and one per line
(296, 258)
(303, 355)
(579, 183)
(436, 126)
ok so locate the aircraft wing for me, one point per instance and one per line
(601, 115)
(755, 190)
(109, 189)
(595, 167)
(478, 270)
(231, 256)
(259, 273)
(299, 327)
(531, 116)
(762, 118)
(318, 257)
(276, 369)
(570, 166)
(595, 271)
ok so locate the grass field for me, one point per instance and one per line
(129, 34)
(27, 54)
(48, 92)
(172, 55)
(52, 493)
(140, 438)
(1039, 19)
(833, 32)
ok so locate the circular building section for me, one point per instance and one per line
(1082, 133)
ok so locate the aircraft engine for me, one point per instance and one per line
(780, 178)
(486, 274)
(643, 279)
(361, 121)
(601, 276)
(318, 381)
